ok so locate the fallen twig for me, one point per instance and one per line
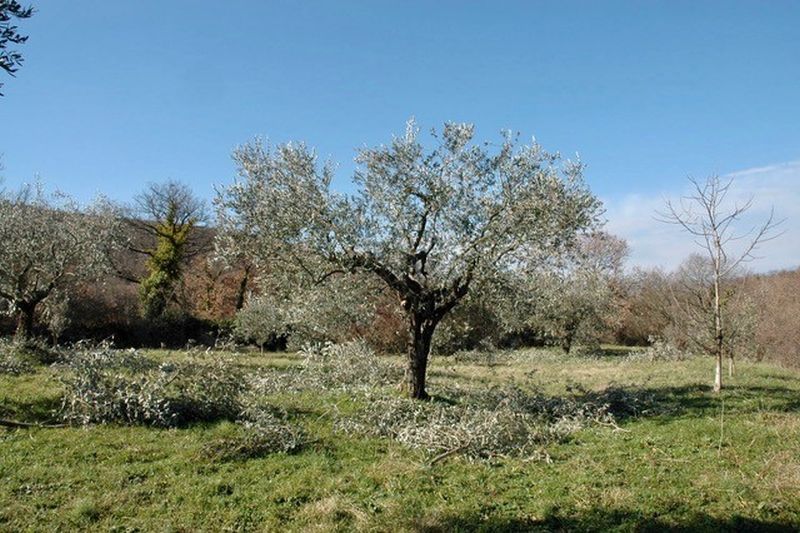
(17, 424)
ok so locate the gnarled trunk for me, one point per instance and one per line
(419, 348)
(567, 340)
(242, 290)
(25, 315)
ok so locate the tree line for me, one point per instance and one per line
(446, 244)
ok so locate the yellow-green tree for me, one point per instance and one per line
(168, 217)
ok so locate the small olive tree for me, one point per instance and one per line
(48, 244)
(429, 223)
(337, 311)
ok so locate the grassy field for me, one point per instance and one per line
(699, 462)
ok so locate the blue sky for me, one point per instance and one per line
(113, 95)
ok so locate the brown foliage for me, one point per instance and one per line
(777, 298)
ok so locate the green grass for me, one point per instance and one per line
(693, 466)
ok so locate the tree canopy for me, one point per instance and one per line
(49, 243)
(430, 223)
(10, 60)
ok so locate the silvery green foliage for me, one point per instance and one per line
(111, 386)
(427, 223)
(474, 326)
(485, 425)
(49, 242)
(659, 350)
(496, 422)
(10, 362)
(56, 313)
(327, 366)
(13, 366)
(104, 386)
(270, 433)
(260, 321)
(267, 429)
(336, 311)
(571, 299)
(351, 364)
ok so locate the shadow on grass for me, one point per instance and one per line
(627, 403)
(669, 402)
(607, 520)
(40, 410)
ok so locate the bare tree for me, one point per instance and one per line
(429, 224)
(690, 296)
(705, 215)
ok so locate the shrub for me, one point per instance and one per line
(659, 350)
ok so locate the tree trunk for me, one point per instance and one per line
(566, 345)
(25, 321)
(731, 366)
(718, 333)
(566, 341)
(718, 374)
(419, 348)
(242, 290)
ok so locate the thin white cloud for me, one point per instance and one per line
(655, 243)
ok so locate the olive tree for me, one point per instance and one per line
(583, 299)
(48, 244)
(341, 309)
(429, 223)
(573, 298)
